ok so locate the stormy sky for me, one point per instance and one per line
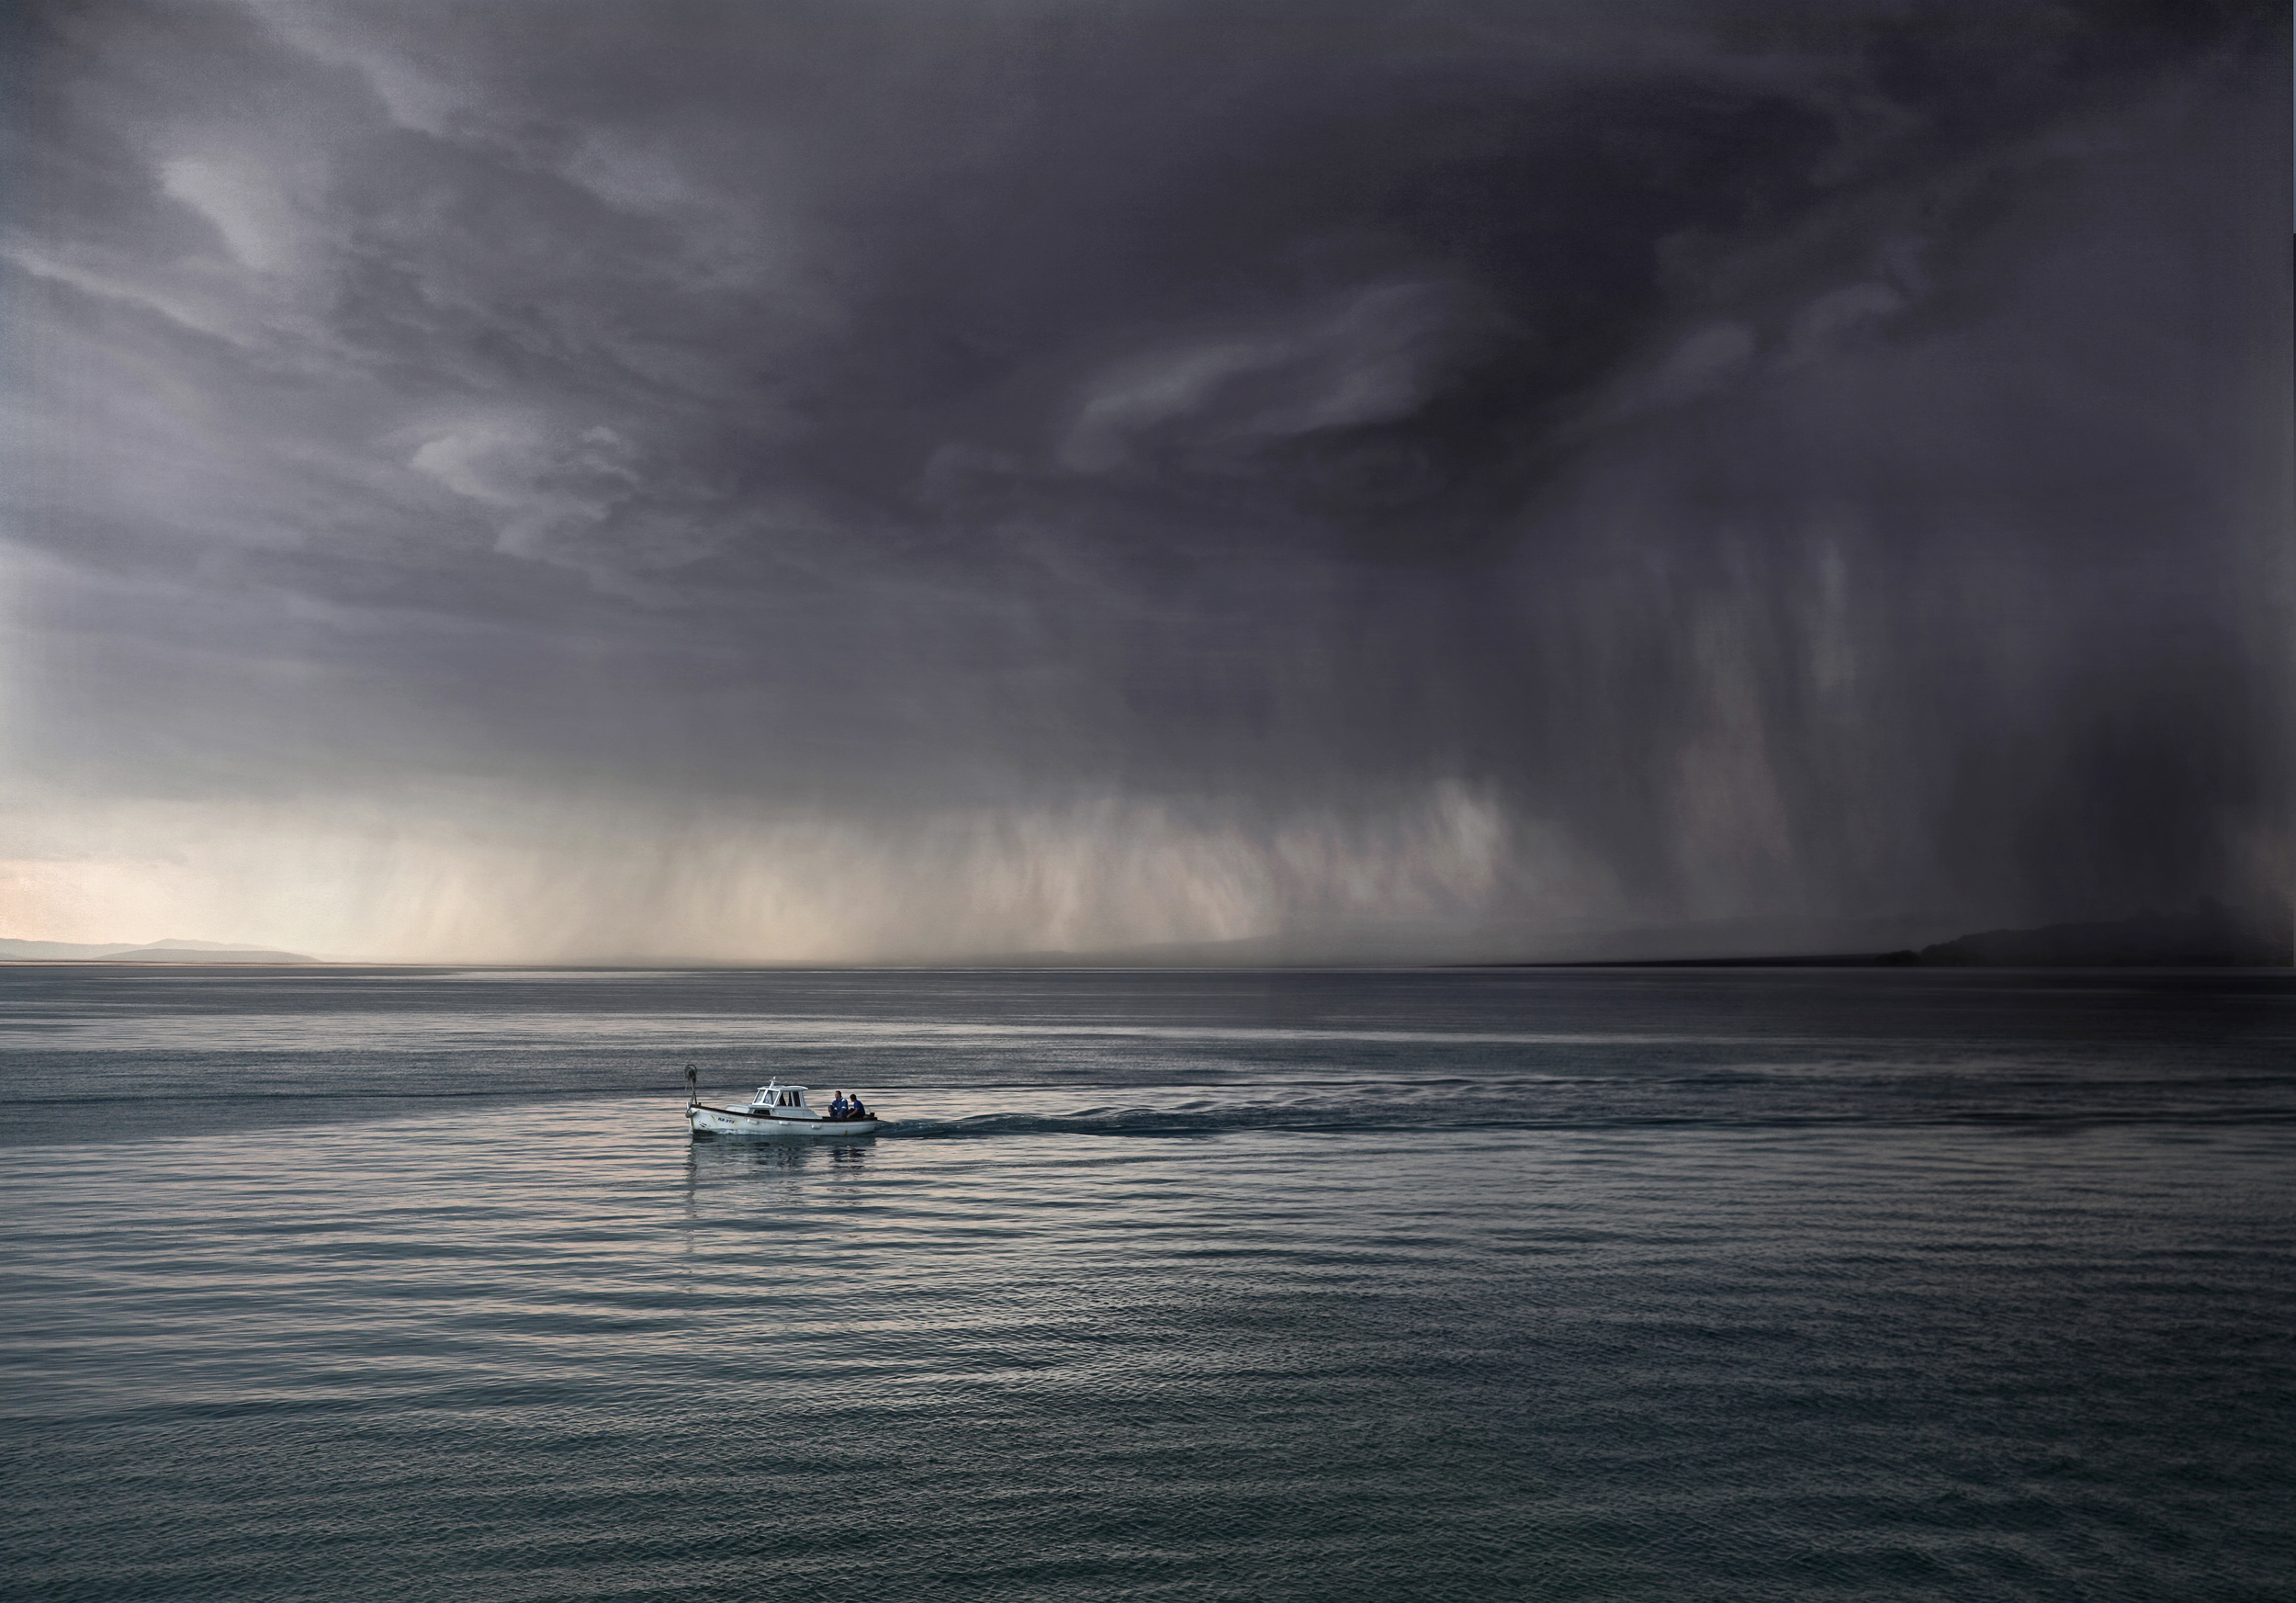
(894, 479)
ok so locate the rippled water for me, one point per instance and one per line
(337, 1283)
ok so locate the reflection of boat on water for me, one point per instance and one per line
(776, 1110)
(719, 1158)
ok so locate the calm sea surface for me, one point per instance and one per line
(344, 1283)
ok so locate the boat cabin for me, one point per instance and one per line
(777, 1095)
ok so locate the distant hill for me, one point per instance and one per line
(58, 951)
(2209, 935)
(197, 954)
(181, 945)
(172, 951)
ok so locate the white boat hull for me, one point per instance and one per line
(707, 1122)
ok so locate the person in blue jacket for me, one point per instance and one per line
(837, 1107)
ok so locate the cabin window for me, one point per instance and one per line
(789, 1099)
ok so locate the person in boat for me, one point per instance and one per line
(836, 1106)
(855, 1109)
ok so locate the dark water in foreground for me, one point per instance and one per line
(1663, 1285)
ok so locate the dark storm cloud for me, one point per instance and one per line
(1486, 463)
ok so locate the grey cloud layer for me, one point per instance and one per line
(1821, 458)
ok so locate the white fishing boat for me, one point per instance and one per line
(776, 1110)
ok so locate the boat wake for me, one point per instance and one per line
(1164, 1121)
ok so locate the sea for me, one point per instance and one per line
(1763, 1285)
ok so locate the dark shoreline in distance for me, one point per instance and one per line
(1854, 960)
(206, 962)
(2209, 935)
